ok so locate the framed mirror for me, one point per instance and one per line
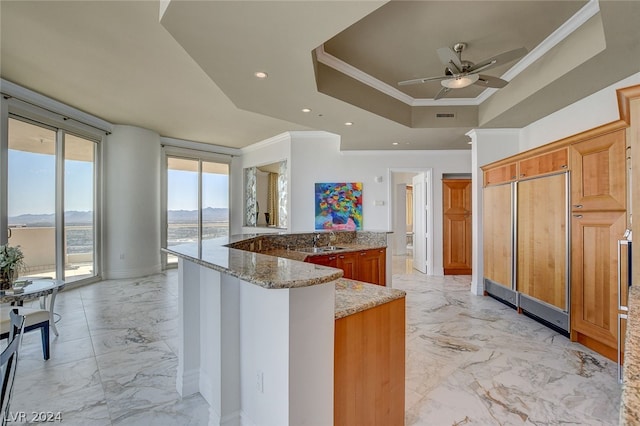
(266, 195)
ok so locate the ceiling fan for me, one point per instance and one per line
(460, 73)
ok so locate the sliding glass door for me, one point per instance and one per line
(79, 212)
(31, 195)
(197, 200)
(50, 200)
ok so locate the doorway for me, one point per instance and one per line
(456, 232)
(51, 210)
(413, 217)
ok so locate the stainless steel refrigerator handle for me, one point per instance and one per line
(620, 307)
(620, 318)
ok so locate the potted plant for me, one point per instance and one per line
(11, 263)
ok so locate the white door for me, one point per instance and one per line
(420, 223)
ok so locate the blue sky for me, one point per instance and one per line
(183, 190)
(32, 186)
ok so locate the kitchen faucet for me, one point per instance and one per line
(316, 238)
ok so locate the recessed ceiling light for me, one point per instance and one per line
(348, 123)
(394, 143)
(306, 110)
(261, 74)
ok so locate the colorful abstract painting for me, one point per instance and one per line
(339, 206)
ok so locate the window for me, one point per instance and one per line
(197, 200)
(51, 197)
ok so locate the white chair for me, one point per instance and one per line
(34, 319)
(9, 363)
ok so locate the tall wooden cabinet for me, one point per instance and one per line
(598, 216)
(569, 203)
(594, 269)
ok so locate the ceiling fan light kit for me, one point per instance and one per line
(461, 73)
(460, 81)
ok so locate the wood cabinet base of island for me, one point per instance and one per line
(369, 366)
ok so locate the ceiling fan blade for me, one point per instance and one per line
(423, 80)
(450, 59)
(500, 59)
(441, 93)
(489, 81)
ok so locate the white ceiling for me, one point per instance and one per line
(190, 75)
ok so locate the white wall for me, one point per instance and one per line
(593, 111)
(131, 208)
(316, 157)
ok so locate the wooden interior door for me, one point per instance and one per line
(457, 226)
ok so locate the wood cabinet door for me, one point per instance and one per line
(542, 239)
(326, 260)
(347, 262)
(457, 226)
(594, 279)
(369, 367)
(501, 174)
(372, 266)
(497, 226)
(598, 173)
(554, 161)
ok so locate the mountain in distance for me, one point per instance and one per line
(209, 214)
(73, 217)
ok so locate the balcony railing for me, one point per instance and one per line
(38, 246)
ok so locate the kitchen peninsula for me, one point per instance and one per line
(270, 339)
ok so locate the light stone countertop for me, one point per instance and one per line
(355, 296)
(256, 268)
(281, 268)
(630, 402)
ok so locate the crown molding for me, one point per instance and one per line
(573, 23)
(361, 76)
(282, 137)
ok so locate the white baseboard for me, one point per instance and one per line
(188, 383)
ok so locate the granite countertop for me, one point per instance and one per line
(260, 269)
(630, 403)
(281, 268)
(355, 296)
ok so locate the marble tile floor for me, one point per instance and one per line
(470, 360)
